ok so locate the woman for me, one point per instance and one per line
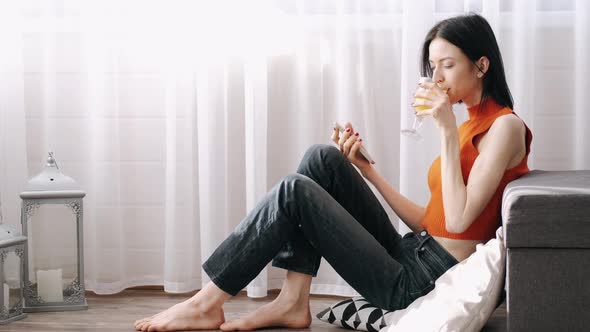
(327, 210)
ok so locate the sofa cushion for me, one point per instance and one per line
(555, 204)
(548, 289)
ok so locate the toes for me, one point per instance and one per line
(234, 325)
(139, 326)
(146, 326)
(140, 322)
(227, 326)
(154, 328)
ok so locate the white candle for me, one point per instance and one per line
(6, 296)
(49, 286)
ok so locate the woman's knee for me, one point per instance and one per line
(297, 186)
(296, 179)
(318, 156)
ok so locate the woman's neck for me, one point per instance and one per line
(473, 100)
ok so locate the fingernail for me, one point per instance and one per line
(360, 139)
(347, 129)
(356, 134)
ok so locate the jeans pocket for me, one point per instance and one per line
(436, 262)
(423, 279)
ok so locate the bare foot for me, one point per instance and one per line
(276, 314)
(186, 315)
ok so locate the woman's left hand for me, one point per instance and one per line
(433, 97)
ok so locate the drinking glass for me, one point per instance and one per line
(413, 132)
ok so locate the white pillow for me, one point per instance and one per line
(464, 297)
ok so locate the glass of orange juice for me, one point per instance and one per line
(413, 132)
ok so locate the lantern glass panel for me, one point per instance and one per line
(11, 287)
(53, 251)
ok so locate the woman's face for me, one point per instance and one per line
(453, 71)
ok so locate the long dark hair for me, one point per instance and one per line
(473, 35)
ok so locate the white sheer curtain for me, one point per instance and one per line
(177, 116)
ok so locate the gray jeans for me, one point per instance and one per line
(327, 210)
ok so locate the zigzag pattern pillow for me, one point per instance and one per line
(357, 314)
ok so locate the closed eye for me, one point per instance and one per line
(446, 67)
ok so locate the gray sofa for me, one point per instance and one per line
(546, 217)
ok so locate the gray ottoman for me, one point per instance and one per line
(546, 216)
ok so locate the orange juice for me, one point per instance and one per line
(420, 108)
(418, 100)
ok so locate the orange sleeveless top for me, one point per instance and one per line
(485, 225)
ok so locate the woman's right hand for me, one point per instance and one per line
(349, 143)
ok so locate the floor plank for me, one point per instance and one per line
(118, 312)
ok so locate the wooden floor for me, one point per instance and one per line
(118, 312)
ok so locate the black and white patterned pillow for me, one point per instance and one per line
(357, 314)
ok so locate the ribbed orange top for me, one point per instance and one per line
(485, 225)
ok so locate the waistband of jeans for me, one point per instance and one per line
(421, 238)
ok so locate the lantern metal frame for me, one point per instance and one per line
(16, 245)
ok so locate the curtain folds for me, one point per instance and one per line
(178, 116)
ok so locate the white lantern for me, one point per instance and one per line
(11, 271)
(52, 219)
